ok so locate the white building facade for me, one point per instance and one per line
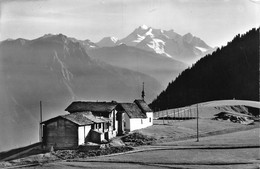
(136, 115)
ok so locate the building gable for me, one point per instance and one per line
(132, 110)
(79, 118)
(143, 106)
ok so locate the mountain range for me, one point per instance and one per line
(159, 53)
(57, 70)
(187, 48)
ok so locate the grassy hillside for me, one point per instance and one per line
(230, 72)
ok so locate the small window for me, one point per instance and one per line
(150, 119)
(141, 121)
(124, 124)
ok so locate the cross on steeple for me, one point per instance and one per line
(143, 94)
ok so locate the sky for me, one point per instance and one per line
(214, 21)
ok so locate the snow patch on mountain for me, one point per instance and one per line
(201, 49)
(139, 38)
(149, 33)
(114, 39)
(158, 46)
(144, 27)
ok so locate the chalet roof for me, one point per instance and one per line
(143, 106)
(80, 118)
(132, 110)
(96, 119)
(79, 106)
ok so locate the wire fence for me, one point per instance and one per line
(183, 113)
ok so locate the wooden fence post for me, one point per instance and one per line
(167, 117)
(174, 114)
(190, 113)
(178, 114)
(181, 114)
(163, 117)
(197, 122)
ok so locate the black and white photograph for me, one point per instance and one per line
(130, 84)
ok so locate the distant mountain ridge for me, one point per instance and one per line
(231, 72)
(163, 69)
(56, 70)
(167, 43)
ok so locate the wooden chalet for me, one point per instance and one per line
(95, 122)
(69, 131)
(99, 110)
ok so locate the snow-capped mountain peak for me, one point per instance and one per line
(167, 43)
(187, 48)
(144, 27)
(107, 42)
